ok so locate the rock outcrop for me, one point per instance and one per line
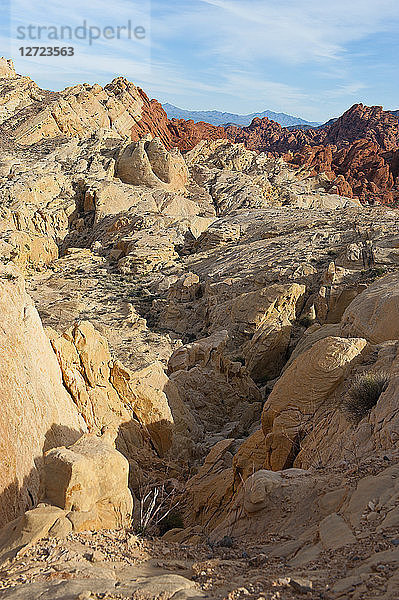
(37, 412)
(219, 393)
(144, 404)
(89, 480)
(307, 383)
(7, 68)
(357, 151)
(30, 114)
(222, 352)
(148, 163)
(373, 314)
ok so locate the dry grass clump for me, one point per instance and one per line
(364, 393)
(157, 511)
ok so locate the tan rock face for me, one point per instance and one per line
(249, 313)
(37, 412)
(90, 478)
(336, 435)
(335, 533)
(257, 506)
(374, 313)
(148, 163)
(85, 361)
(211, 488)
(250, 457)
(7, 68)
(22, 533)
(265, 353)
(76, 110)
(28, 251)
(143, 392)
(303, 387)
(145, 404)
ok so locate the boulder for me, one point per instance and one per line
(374, 314)
(261, 322)
(22, 533)
(148, 163)
(335, 533)
(301, 390)
(90, 479)
(273, 502)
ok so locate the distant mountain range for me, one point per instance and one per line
(216, 117)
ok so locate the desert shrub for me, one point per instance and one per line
(9, 276)
(364, 393)
(377, 272)
(156, 505)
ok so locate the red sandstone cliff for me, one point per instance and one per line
(358, 152)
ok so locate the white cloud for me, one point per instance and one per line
(292, 31)
(237, 55)
(104, 57)
(349, 89)
(267, 40)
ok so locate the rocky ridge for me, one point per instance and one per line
(358, 151)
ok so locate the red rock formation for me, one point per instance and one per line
(186, 134)
(358, 152)
(268, 136)
(317, 159)
(154, 120)
(369, 122)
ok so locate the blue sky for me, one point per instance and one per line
(303, 57)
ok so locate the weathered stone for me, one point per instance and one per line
(148, 163)
(374, 313)
(37, 412)
(143, 392)
(335, 533)
(304, 386)
(90, 477)
(22, 533)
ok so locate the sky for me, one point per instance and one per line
(307, 58)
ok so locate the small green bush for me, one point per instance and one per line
(377, 272)
(9, 276)
(364, 393)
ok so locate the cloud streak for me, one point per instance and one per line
(302, 56)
